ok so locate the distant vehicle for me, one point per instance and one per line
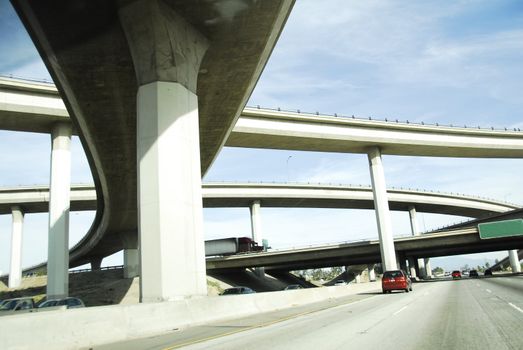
(488, 272)
(17, 304)
(231, 246)
(70, 303)
(238, 290)
(447, 273)
(473, 273)
(340, 283)
(456, 274)
(395, 280)
(293, 286)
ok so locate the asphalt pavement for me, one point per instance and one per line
(483, 313)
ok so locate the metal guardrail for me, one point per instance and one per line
(387, 120)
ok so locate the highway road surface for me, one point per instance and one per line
(483, 313)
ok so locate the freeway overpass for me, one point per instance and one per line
(451, 242)
(36, 107)
(224, 195)
(26, 106)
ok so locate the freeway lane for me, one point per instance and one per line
(463, 314)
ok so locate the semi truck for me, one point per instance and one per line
(231, 246)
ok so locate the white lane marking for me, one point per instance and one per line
(488, 290)
(400, 310)
(515, 307)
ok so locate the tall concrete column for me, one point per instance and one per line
(401, 261)
(514, 260)
(15, 270)
(428, 268)
(415, 232)
(372, 273)
(167, 52)
(59, 198)
(131, 263)
(381, 208)
(412, 267)
(256, 231)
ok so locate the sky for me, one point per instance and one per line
(456, 63)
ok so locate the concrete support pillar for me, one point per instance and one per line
(372, 274)
(256, 231)
(415, 232)
(256, 222)
(170, 198)
(381, 206)
(412, 267)
(413, 221)
(15, 271)
(401, 261)
(514, 260)
(59, 194)
(421, 268)
(428, 268)
(131, 263)
(96, 263)
(167, 52)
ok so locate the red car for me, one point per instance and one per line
(395, 280)
(456, 274)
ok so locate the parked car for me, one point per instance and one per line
(395, 280)
(473, 273)
(16, 304)
(293, 286)
(238, 290)
(70, 303)
(488, 272)
(456, 274)
(340, 283)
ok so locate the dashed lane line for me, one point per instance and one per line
(515, 307)
(400, 310)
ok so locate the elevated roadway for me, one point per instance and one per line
(223, 195)
(34, 107)
(92, 51)
(279, 130)
(464, 241)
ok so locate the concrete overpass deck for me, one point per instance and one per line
(33, 107)
(223, 195)
(464, 241)
(28, 106)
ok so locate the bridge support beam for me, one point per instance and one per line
(256, 231)
(381, 208)
(428, 268)
(412, 267)
(131, 263)
(59, 201)
(514, 260)
(167, 52)
(372, 274)
(15, 269)
(402, 261)
(96, 263)
(415, 232)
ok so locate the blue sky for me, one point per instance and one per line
(439, 62)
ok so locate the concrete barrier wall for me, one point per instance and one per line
(87, 327)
